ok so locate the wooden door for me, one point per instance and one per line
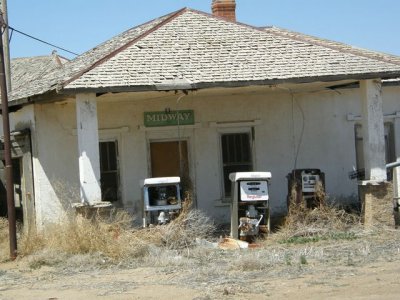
(168, 160)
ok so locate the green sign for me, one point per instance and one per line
(168, 118)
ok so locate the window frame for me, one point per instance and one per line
(118, 166)
(237, 130)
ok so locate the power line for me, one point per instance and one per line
(39, 40)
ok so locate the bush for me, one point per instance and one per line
(114, 237)
(322, 222)
(79, 235)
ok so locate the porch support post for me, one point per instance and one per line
(88, 147)
(396, 176)
(373, 130)
(375, 192)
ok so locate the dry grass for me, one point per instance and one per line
(323, 220)
(4, 240)
(113, 236)
(182, 232)
(78, 235)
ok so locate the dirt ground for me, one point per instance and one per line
(366, 267)
(375, 281)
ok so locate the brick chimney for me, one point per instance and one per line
(225, 9)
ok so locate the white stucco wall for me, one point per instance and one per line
(56, 173)
(327, 142)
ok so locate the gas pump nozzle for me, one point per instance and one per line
(259, 221)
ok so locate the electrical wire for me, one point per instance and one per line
(11, 34)
(296, 148)
(39, 40)
(293, 131)
(302, 129)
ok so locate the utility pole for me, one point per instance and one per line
(7, 151)
(6, 45)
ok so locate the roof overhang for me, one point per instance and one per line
(187, 85)
(389, 79)
(50, 96)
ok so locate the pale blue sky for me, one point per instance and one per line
(79, 25)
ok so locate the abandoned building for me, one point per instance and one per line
(199, 95)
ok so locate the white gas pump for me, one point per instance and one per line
(161, 199)
(250, 213)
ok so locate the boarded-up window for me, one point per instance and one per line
(236, 156)
(109, 170)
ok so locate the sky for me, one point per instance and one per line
(79, 25)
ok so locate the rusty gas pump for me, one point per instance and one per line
(161, 200)
(250, 210)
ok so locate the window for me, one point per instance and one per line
(109, 171)
(236, 156)
(389, 146)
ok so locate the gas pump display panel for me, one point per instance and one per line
(253, 190)
(308, 182)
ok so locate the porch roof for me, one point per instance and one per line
(28, 74)
(189, 49)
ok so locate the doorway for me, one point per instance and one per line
(22, 177)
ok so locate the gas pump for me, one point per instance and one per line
(305, 181)
(161, 200)
(250, 212)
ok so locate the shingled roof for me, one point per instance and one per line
(333, 44)
(32, 84)
(207, 51)
(192, 49)
(27, 73)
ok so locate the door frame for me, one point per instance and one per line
(171, 135)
